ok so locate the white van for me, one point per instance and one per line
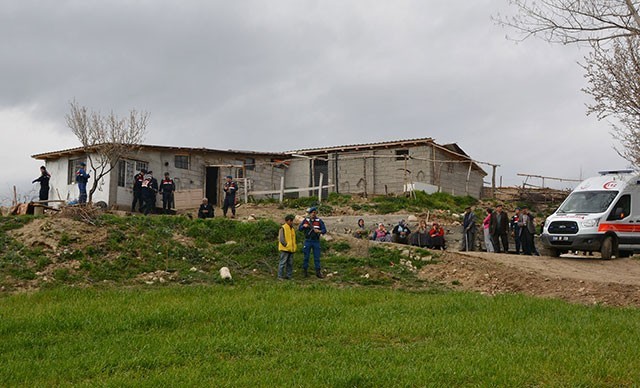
(601, 214)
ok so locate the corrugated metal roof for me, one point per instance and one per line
(80, 150)
(357, 147)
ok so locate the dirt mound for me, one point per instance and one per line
(574, 279)
(52, 232)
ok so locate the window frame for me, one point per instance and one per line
(401, 154)
(73, 165)
(179, 161)
(127, 169)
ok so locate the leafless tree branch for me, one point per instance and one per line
(105, 139)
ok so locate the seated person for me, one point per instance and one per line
(401, 233)
(420, 238)
(436, 237)
(381, 234)
(361, 231)
(205, 210)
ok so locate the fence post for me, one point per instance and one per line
(246, 190)
(320, 188)
(281, 189)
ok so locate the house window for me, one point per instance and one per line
(127, 169)
(450, 168)
(182, 161)
(250, 163)
(74, 165)
(401, 154)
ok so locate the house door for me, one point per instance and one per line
(320, 167)
(211, 185)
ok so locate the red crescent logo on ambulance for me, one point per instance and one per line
(610, 185)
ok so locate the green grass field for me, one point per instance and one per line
(310, 334)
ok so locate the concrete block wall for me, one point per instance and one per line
(382, 171)
(452, 177)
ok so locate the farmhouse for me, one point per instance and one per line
(374, 168)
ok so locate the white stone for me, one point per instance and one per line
(412, 218)
(225, 273)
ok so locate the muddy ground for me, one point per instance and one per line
(574, 278)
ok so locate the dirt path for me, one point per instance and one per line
(574, 278)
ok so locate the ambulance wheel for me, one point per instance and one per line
(622, 254)
(553, 252)
(607, 248)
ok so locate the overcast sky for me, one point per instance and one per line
(282, 75)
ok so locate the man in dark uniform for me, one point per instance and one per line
(44, 184)
(167, 187)
(149, 191)
(82, 178)
(137, 191)
(230, 188)
(312, 227)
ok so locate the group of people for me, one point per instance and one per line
(81, 177)
(230, 189)
(145, 189)
(496, 228)
(424, 236)
(312, 227)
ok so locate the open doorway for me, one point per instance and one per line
(211, 185)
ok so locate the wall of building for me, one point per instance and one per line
(298, 175)
(385, 171)
(61, 189)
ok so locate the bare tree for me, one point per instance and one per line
(105, 139)
(614, 83)
(611, 28)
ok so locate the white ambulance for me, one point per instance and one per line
(601, 215)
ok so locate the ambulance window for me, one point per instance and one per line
(622, 209)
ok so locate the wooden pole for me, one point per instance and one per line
(321, 178)
(493, 181)
(281, 199)
(15, 196)
(468, 178)
(246, 190)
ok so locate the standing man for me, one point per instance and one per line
(499, 229)
(515, 229)
(230, 188)
(137, 191)
(167, 187)
(82, 178)
(44, 184)
(149, 191)
(286, 246)
(312, 227)
(468, 229)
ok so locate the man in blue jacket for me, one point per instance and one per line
(312, 227)
(82, 178)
